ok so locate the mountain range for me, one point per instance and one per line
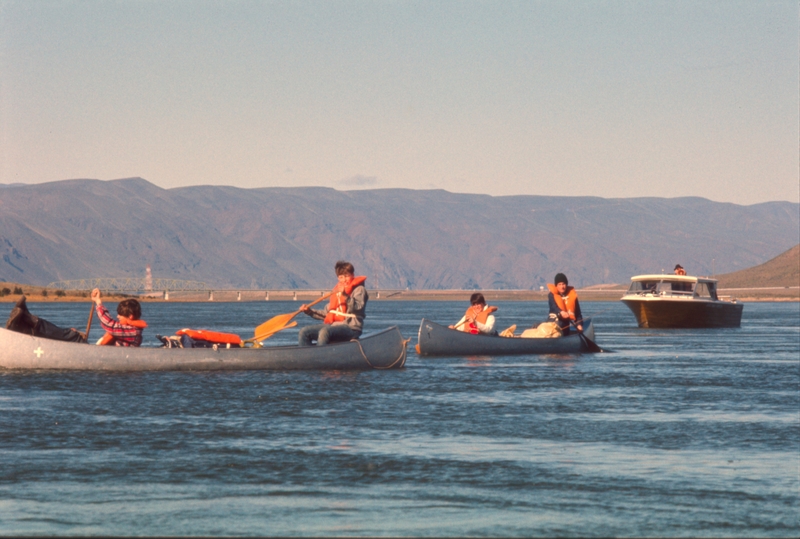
(290, 238)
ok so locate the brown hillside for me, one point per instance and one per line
(783, 270)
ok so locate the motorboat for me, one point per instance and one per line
(680, 301)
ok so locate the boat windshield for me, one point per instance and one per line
(643, 286)
(706, 291)
(663, 288)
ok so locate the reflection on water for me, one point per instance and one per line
(677, 433)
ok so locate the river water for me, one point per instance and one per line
(675, 433)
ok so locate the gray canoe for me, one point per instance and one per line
(438, 340)
(383, 350)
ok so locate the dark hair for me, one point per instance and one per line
(677, 266)
(343, 267)
(560, 278)
(130, 308)
(477, 298)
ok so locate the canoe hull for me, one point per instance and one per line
(383, 350)
(690, 313)
(437, 340)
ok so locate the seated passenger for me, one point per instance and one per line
(564, 305)
(22, 321)
(679, 270)
(343, 317)
(478, 318)
(127, 330)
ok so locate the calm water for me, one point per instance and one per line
(677, 433)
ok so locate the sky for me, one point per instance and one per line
(581, 98)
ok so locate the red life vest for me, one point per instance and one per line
(217, 337)
(338, 301)
(569, 305)
(108, 338)
(480, 315)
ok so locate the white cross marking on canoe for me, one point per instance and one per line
(38, 352)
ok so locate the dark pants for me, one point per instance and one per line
(48, 330)
(326, 333)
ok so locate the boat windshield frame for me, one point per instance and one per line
(673, 286)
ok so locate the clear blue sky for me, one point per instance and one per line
(612, 99)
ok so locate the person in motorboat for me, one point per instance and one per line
(565, 308)
(343, 316)
(22, 321)
(127, 329)
(679, 270)
(478, 318)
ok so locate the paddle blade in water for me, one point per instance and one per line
(590, 344)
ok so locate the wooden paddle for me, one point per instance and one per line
(256, 341)
(89, 323)
(587, 342)
(279, 322)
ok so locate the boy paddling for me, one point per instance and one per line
(126, 331)
(564, 305)
(478, 318)
(343, 316)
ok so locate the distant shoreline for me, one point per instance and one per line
(768, 294)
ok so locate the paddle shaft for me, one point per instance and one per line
(89, 322)
(590, 344)
(326, 296)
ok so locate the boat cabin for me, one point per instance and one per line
(675, 286)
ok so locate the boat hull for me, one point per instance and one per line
(383, 350)
(669, 313)
(437, 340)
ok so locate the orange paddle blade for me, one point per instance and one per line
(275, 324)
(278, 322)
(264, 336)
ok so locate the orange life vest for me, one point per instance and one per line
(338, 301)
(569, 305)
(479, 314)
(108, 338)
(217, 337)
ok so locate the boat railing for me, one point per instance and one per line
(665, 293)
(677, 293)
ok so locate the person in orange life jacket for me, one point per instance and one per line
(127, 330)
(343, 316)
(564, 305)
(478, 318)
(22, 321)
(679, 270)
